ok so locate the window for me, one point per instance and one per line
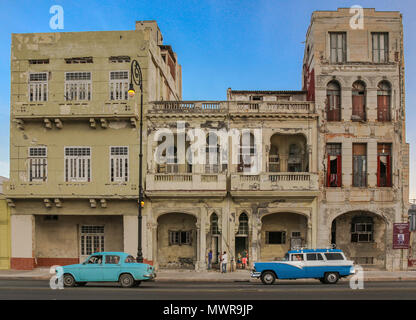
(38, 164)
(119, 164)
(383, 101)
(333, 101)
(77, 164)
(380, 47)
(214, 224)
(275, 237)
(119, 85)
(333, 256)
(358, 101)
(243, 224)
(359, 157)
(294, 162)
(247, 151)
(115, 59)
(110, 259)
(180, 238)
(79, 60)
(274, 160)
(297, 257)
(362, 229)
(338, 47)
(78, 86)
(256, 98)
(39, 61)
(334, 168)
(96, 259)
(38, 86)
(384, 165)
(92, 239)
(314, 257)
(213, 155)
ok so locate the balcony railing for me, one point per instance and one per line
(185, 181)
(286, 107)
(275, 181)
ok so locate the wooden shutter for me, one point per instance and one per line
(328, 172)
(339, 170)
(358, 108)
(378, 170)
(388, 171)
(383, 108)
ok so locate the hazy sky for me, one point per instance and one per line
(242, 44)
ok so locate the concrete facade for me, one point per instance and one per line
(280, 201)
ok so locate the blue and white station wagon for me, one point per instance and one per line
(327, 265)
(108, 267)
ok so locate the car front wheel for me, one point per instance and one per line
(331, 277)
(126, 280)
(69, 280)
(268, 277)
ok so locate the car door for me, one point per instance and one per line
(92, 269)
(112, 267)
(294, 268)
(314, 265)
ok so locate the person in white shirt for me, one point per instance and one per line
(224, 262)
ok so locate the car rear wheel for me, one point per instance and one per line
(69, 280)
(126, 280)
(331, 277)
(268, 277)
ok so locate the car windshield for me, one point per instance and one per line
(130, 259)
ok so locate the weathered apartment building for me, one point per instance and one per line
(324, 165)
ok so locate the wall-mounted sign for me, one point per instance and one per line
(401, 235)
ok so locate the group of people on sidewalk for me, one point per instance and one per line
(223, 260)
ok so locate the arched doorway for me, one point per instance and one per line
(177, 241)
(281, 232)
(362, 237)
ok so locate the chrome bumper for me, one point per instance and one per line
(150, 276)
(255, 274)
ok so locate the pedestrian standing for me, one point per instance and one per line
(209, 259)
(244, 259)
(224, 262)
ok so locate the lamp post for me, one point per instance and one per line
(137, 79)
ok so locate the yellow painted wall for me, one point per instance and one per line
(4, 234)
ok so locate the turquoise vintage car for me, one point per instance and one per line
(108, 267)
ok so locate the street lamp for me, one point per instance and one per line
(137, 79)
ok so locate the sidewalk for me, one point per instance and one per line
(189, 275)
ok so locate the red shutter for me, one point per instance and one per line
(339, 170)
(328, 172)
(388, 171)
(378, 170)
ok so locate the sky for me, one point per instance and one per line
(238, 44)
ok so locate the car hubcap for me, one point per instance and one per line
(126, 281)
(269, 278)
(332, 278)
(68, 281)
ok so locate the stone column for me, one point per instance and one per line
(202, 265)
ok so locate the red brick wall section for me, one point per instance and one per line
(22, 263)
(48, 262)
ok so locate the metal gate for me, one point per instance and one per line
(91, 241)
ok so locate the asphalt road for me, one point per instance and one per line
(159, 290)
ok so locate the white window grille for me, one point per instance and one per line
(78, 86)
(119, 85)
(77, 164)
(119, 164)
(92, 239)
(38, 86)
(38, 164)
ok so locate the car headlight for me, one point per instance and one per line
(352, 270)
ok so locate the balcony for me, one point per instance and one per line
(305, 183)
(74, 110)
(288, 108)
(186, 184)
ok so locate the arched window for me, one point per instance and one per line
(212, 154)
(214, 224)
(358, 101)
(333, 101)
(243, 224)
(383, 101)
